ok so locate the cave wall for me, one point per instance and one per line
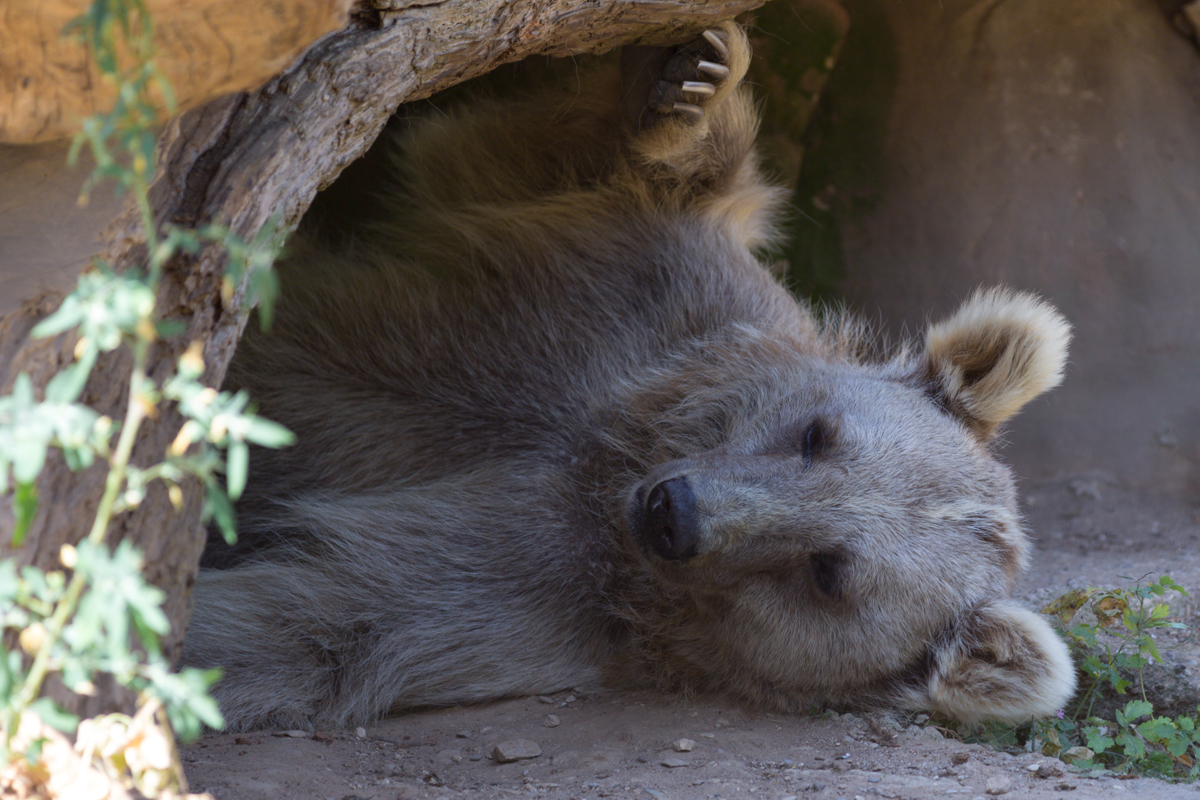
(1052, 147)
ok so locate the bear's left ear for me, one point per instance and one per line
(1001, 662)
(1000, 350)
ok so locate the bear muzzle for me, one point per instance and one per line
(663, 519)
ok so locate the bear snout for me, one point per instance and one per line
(668, 525)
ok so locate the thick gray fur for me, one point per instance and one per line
(562, 310)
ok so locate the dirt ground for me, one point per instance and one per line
(596, 743)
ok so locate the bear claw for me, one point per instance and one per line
(698, 87)
(680, 82)
(716, 71)
(717, 42)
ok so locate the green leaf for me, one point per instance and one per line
(9, 583)
(1097, 738)
(1148, 646)
(69, 314)
(268, 434)
(218, 508)
(236, 468)
(185, 696)
(1131, 745)
(28, 456)
(25, 503)
(69, 382)
(1159, 729)
(52, 715)
(1136, 709)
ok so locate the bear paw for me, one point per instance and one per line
(682, 83)
(691, 76)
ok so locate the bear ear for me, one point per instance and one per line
(1001, 662)
(1000, 350)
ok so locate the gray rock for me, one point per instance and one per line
(515, 750)
(999, 784)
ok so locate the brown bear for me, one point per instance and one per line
(558, 425)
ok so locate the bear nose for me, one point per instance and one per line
(670, 528)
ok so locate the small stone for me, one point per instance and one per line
(449, 757)
(1065, 787)
(874, 779)
(570, 698)
(292, 734)
(684, 746)
(1049, 769)
(242, 740)
(932, 733)
(360, 733)
(721, 723)
(709, 735)
(323, 737)
(552, 721)
(546, 699)
(462, 735)
(673, 762)
(960, 758)
(999, 784)
(515, 750)
(1074, 755)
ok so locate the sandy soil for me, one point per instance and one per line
(595, 744)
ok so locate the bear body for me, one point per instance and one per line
(557, 426)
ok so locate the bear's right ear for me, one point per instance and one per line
(1000, 350)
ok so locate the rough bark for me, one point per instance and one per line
(256, 161)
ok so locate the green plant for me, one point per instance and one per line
(1110, 633)
(99, 617)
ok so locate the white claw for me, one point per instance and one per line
(689, 109)
(716, 71)
(696, 87)
(716, 42)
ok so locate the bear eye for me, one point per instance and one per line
(829, 573)
(814, 443)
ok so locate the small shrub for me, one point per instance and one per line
(98, 616)
(1111, 636)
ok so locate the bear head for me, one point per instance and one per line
(813, 526)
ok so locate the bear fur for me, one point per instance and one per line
(558, 426)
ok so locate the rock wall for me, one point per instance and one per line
(1053, 147)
